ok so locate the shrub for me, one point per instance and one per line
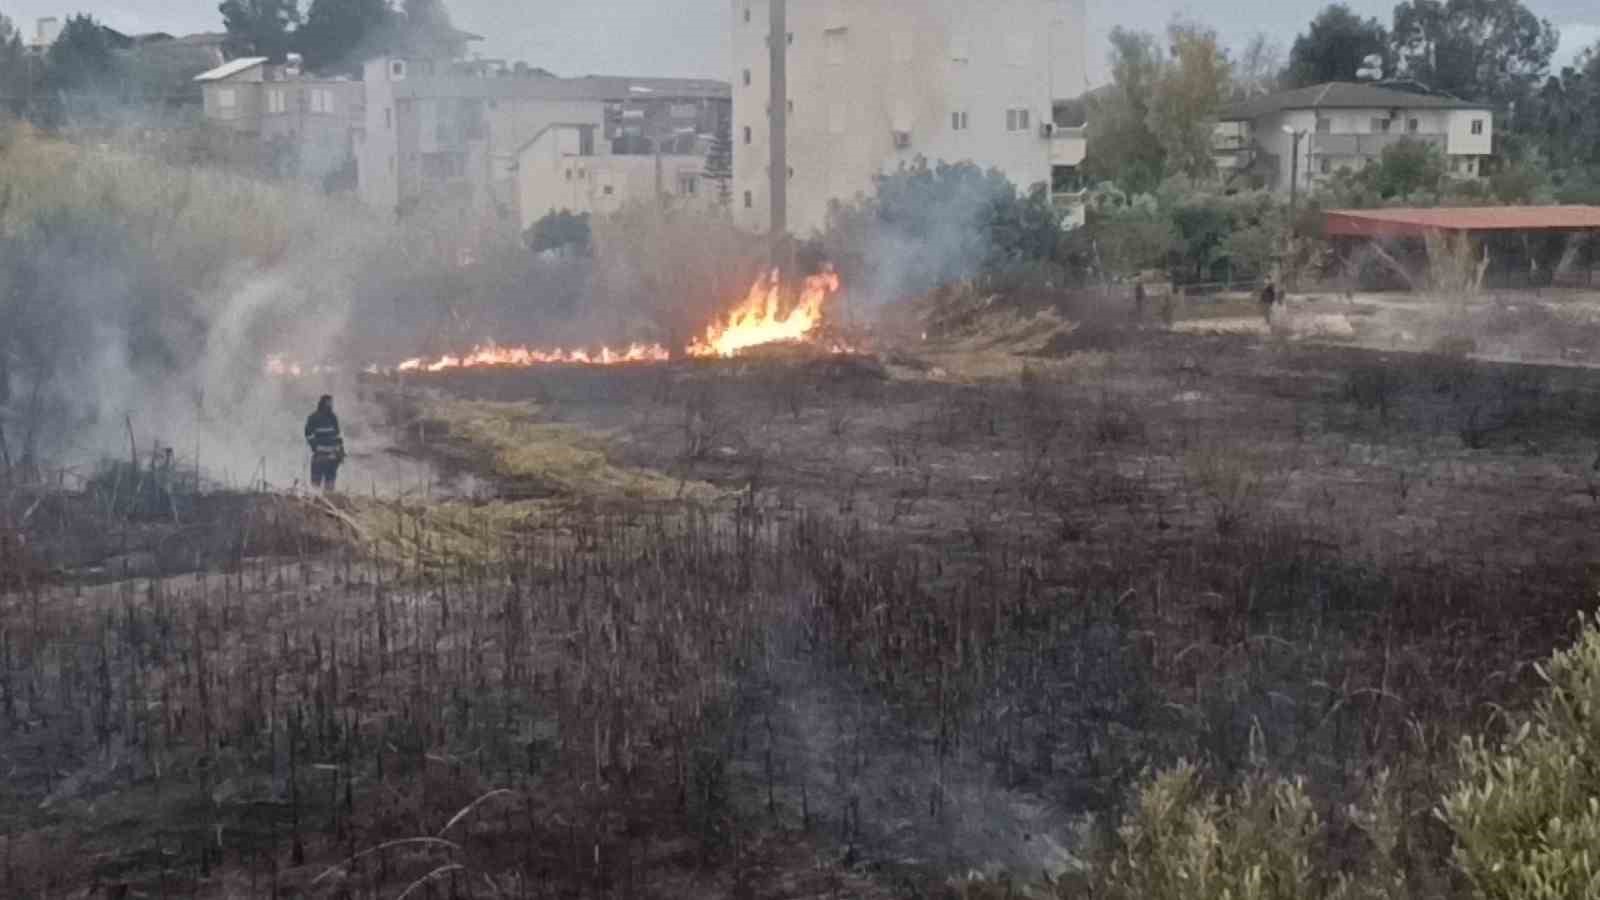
(1185, 841)
(1526, 813)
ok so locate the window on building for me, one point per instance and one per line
(749, 200)
(747, 13)
(1324, 126)
(749, 134)
(275, 102)
(397, 69)
(958, 121)
(586, 141)
(1325, 165)
(1018, 119)
(790, 36)
(791, 107)
(608, 190)
(1380, 126)
(746, 77)
(227, 102)
(1477, 126)
(688, 184)
(1413, 126)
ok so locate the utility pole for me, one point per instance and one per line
(1294, 191)
(778, 119)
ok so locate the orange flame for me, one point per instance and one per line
(492, 356)
(760, 319)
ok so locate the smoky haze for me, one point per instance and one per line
(690, 39)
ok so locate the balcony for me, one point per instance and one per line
(1368, 144)
(1068, 146)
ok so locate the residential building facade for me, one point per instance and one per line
(435, 128)
(1344, 126)
(875, 84)
(424, 126)
(571, 167)
(277, 107)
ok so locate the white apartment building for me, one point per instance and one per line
(877, 83)
(1346, 126)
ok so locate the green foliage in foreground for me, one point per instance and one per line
(1526, 815)
(1522, 821)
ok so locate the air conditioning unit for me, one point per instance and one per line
(1047, 129)
(902, 140)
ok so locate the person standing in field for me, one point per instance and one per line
(326, 443)
(1269, 299)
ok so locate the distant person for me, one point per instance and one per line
(1269, 299)
(326, 443)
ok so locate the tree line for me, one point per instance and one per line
(90, 62)
(1155, 120)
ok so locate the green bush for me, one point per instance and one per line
(1526, 813)
(1522, 822)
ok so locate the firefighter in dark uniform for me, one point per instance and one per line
(326, 443)
(1269, 299)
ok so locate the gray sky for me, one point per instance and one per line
(689, 37)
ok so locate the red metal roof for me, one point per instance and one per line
(1406, 222)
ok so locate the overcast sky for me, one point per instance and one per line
(690, 37)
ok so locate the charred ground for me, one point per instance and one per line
(801, 627)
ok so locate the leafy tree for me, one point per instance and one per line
(1488, 50)
(1189, 93)
(260, 27)
(1335, 47)
(15, 72)
(719, 161)
(563, 232)
(336, 31)
(82, 59)
(1408, 167)
(928, 225)
(430, 13)
(1561, 118)
(1125, 149)
(1258, 68)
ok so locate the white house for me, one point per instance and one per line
(877, 83)
(1342, 125)
(570, 167)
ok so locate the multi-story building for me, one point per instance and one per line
(425, 125)
(438, 128)
(873, 84)
(572, 167)
(270, 107)
(1345, 126)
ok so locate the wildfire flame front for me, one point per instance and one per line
(757, 321)
(760, 319)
